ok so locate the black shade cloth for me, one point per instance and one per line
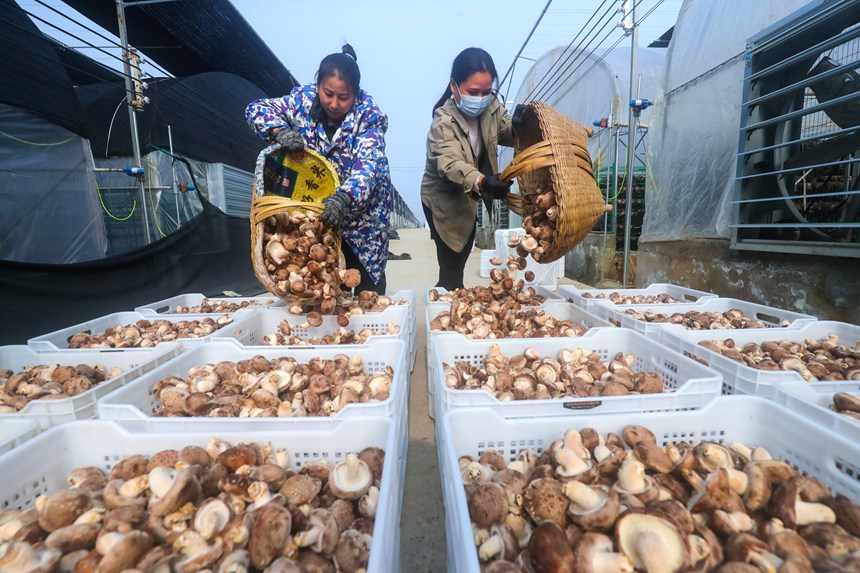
(205, 112)
(31, 75)
(194, 36)
(209, 255)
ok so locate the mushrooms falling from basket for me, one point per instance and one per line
(559, 198)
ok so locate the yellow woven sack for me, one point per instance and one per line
(277, 177)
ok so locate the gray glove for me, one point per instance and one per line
(289, 139)
(336, 207)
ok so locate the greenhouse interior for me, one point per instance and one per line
(609, 324)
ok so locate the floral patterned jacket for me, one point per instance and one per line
(357, 152)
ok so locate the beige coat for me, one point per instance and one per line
(452, 168)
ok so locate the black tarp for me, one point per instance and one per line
(192, 36)
(31, 75)
(209, 256)
(206, 114)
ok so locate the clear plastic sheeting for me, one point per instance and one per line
(604, 91)
(693, 135)
(48, 211)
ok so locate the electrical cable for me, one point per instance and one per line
(110, 126)
(87, 28)
(54, 26)
(554, 68)
(585, 58)
(601, 58)
(37, 144)
(111, 215)
(570, 55)
(151, 200)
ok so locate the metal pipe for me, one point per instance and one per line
(130, 97)
(175, 183)
(631, 140)
(606, 213)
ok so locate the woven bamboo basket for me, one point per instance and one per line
(265, 205)
(551, 154)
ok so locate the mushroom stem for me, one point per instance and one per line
(767, 562)
(492, 546)
(631, 475)
(583, 496)
(570, 461)
(807, 513)
(609, 562)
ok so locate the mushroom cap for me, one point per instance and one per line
(63, 508)
(488, 504)
(544, 499)
(353, 551)
(653, 456)
(322, 534)
(284, 565)
(300, 489)
(589, 546)
(599, 518)
(269, 535)
(649, 540)
(129, 467)
(73, 537)
(350, 479)
(501, 566)
(502, 544)
(125, 552)
(847, 513)
(211, 517)
(549, 549)
(185, 488)
(717, 494)
(374, 457)
(763, 475)
(632, 434)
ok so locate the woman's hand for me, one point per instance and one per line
(289, 139)
(497, 188)
(334, 214)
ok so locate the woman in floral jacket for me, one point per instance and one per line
(341, 122)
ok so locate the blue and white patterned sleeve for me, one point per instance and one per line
(264, 114)
(369, 163)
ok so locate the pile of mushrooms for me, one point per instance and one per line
(541, 215)
(49, 382)
(277, 387)
(575, 373)
(618, 298)
(345, 306)
(207, 306)
(504, 289)
(514, 264)
(822, 359)
(301, 257)
(285, 335)
(847, 405)
(698, 320)
(592, 503)
(147, 333)
(222, 509)
(496, 320)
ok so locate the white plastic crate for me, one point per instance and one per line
(811, 448)
(560, 310)
(46, 413)
(771, 316)
(549, 294)
(741, 379)
(168, 305)
(546, 274)
(59, 339)
(691, 384)
(42, 466)
(134, 404)
(16, 431)
(264, 322)
(814, 401)
(682, 294)
(486, 266)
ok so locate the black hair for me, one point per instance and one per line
(343, 65)
(468, 62)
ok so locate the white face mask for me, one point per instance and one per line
(472, 106)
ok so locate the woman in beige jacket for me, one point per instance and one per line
(469, 124)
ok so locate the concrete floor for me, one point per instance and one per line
(422, 523)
